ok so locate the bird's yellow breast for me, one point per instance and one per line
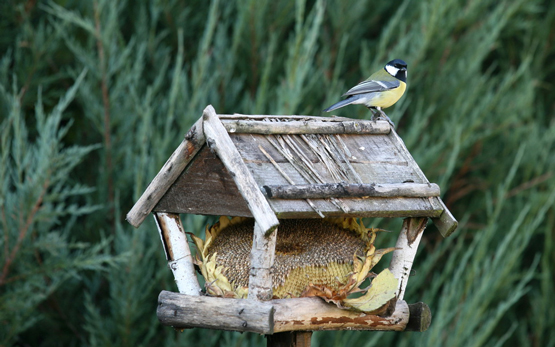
(389, 97)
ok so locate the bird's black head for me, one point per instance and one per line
(398, 69)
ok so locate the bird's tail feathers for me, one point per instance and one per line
(342, 103)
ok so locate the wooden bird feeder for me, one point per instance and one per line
(256, 166)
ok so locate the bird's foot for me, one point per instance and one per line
(388, 119)
(380, 113)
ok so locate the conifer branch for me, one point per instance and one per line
(22, 233)
(106, 103)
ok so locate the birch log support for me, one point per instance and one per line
(345, 190)
(262, 260)
(171, 170)
(303, 127)
(271, 317)
(309, 314)
(178, 252)
(186, 311)
(219, 141)
(403, 256)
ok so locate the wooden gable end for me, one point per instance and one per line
(204, 187)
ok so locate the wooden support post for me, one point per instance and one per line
(178, 252)
(290, 339)
(262, 260)
(403, 256)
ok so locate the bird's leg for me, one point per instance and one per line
(385, 116)
(371, 108)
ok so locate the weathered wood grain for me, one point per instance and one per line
(266, 174)
(167, 175)
(178, 253)
(219, 141)
(262, 259)
(370, 207)
(315, 314)
(204, 187)
(306, 127)
(274, 316)
(373, 158)
(359, 207)
(187, 311)
(344, 190)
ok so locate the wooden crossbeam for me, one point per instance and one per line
(345, 190)
(302, 127)
(282, 315)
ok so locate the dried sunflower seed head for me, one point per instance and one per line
(332, 254)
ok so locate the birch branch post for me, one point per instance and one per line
(403, 256)
(178, 253)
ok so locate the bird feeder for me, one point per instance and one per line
(276, 168)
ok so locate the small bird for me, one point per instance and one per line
(381, 90)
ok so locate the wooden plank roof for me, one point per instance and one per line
(296, 150)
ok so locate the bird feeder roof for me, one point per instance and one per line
(294, 167)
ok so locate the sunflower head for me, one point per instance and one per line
(329, 258)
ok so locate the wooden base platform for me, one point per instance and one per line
(269, 317)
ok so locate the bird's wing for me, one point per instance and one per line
(372, 86)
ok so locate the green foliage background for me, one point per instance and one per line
(95, 96)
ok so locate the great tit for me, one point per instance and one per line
(381, 90)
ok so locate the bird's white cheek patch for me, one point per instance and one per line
(392, 70)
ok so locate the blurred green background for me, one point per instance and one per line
(96, 95)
